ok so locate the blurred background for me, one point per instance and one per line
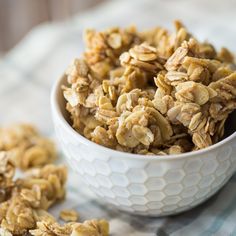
(17, 17)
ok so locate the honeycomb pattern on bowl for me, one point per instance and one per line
(144, 186)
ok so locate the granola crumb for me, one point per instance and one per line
(69, 215)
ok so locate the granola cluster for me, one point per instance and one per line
(150, 92)
(24, 201)
(30, 197)
(7, 171)
(26, 147)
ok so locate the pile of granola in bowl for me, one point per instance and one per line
(150, 92)
(136, 99)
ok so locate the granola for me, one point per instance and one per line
(37, 191)
(26, 147)
(24, 201)
(7, 171)
(150, 92)
(89, 227)
(69, 215)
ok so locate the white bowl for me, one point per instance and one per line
(144, 185)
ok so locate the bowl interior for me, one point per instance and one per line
(230, 125)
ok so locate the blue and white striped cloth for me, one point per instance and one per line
(29, 70)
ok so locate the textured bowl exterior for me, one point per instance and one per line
(147, 185)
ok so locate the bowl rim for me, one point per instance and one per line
(57, 112)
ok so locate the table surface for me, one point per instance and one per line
(29, 70)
